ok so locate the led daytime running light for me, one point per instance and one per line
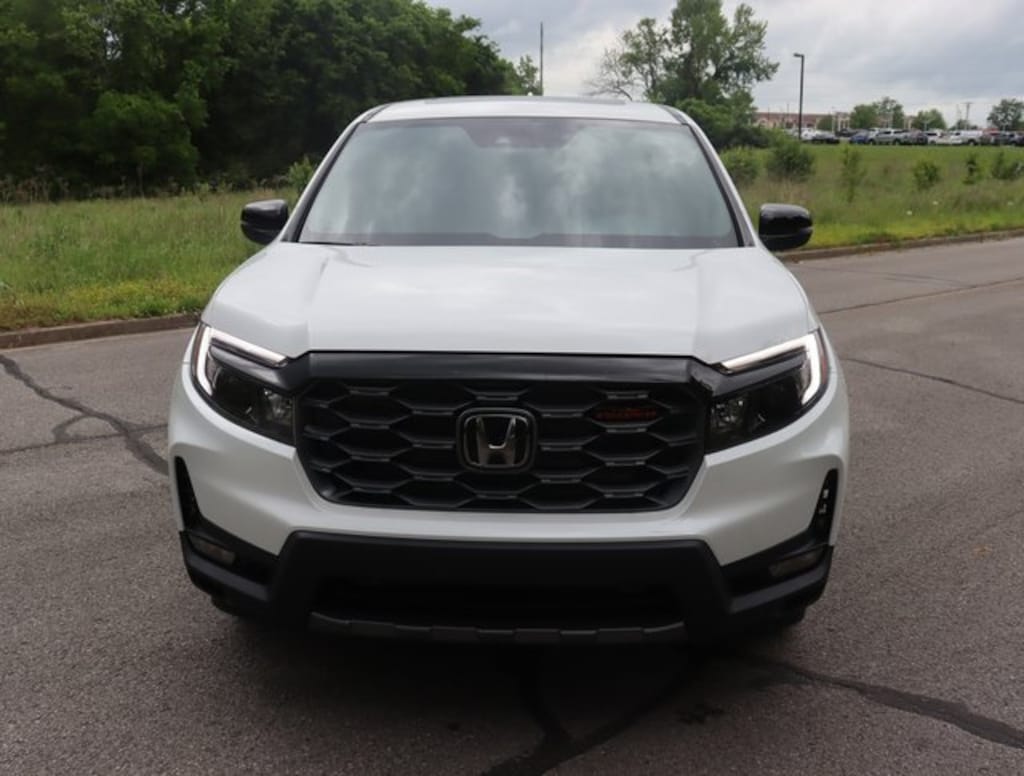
(810, 344)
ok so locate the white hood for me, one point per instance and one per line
(714, 305)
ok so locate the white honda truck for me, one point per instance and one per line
(513, 370)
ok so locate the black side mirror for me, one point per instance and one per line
(784, 227)
(263, 221)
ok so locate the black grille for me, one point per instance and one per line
(599, 448)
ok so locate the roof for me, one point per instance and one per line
(554, 107)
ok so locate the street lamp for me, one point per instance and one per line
(800, 110)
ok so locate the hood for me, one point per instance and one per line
(714, 305)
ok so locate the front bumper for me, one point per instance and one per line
(505, 593)
(698, 570)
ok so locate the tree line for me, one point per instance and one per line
(1007, 114)
(156, 93)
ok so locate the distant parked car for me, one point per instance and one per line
(934, 135)
(914, 137)
(861, 137)
(887, 136)
(963, 137)
(824, 137)
(1000, 138)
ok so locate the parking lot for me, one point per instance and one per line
(111, 662)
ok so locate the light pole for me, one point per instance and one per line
(800, 110)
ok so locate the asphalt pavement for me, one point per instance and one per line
(913, 663)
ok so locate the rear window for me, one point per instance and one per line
(522, 181)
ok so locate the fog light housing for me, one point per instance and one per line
(797, 563)
(212, 551)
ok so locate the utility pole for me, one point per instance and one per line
(800, 110)
(542, 59)
(967, 119)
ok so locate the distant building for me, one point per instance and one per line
(768, 120)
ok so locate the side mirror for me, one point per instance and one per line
(263, 221)
(784, 227)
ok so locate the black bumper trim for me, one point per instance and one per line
(707, 609)
(469, 635)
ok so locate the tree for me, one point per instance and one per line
(638, 65)
(527, 77)
(826, 123)
(929, 119)
(699, 59)
(1007, 114)
(864, 117)
(890, 113)
(98, 92)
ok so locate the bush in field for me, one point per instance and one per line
(742, 165)
(789, 160)
(852, 173)
(299, 173)
(973, 170)
(926, 174)
(1004, 169)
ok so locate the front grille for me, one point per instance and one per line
(600, 447)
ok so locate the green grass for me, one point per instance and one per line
(103, 259)
(887, 207)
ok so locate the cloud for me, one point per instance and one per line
(943, 53)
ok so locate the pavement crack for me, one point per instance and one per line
(60, 431)
(955, 284)
(957, 714)
(58, 443)
(914, 297)
(130, 433)
(933, 378)
(557, 746)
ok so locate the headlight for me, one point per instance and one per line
(216, 361)
(782, 383)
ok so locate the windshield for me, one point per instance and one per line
(522, 181)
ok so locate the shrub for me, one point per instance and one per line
(742, 165)
(299, 173)
(853, 172)
(926, 174)
(789, 160)
(973, 170)
(1005, 170)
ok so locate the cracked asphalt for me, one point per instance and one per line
(913, 663)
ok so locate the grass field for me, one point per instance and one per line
(888, 207)
(101, 259)
(83, 261)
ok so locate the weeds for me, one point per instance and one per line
(926, 174)
(742, 164)
(853, 172)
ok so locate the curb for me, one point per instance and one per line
(24, 338)
(50, 335)
(795, 257)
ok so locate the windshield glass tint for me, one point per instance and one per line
(522, 181)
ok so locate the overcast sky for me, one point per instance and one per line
(925, 53)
